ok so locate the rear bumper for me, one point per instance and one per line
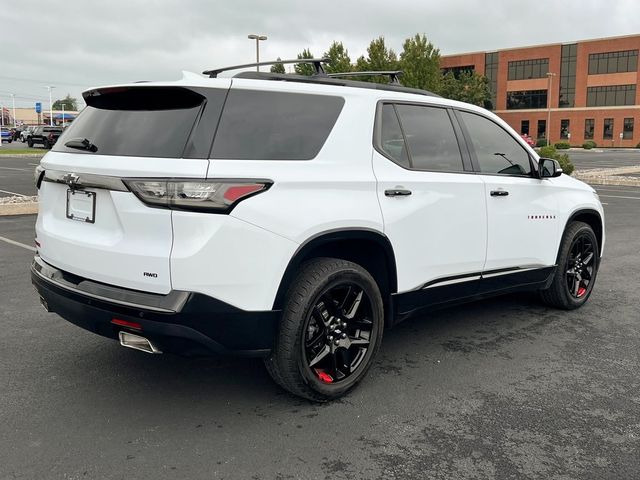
(180, 322)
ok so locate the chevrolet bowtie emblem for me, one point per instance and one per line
(71, 179)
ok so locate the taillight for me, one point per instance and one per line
(214, 196)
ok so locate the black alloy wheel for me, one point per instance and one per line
(330, 330)
(338, 333)
(580, 265)
(577, 266)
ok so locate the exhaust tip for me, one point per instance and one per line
(137, 342)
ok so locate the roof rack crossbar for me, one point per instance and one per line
(317, 63)
(392, 74)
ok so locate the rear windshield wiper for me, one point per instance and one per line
(81, 144)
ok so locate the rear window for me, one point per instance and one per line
(139, 121)
(262, 125)
(52, 129)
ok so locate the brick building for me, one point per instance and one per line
(594, 88)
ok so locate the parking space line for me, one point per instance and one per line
(13, 193)
(17, 244)
(617, 191)
(618, 196)
(18, 169)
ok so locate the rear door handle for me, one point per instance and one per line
(499, 193)
(397, 192)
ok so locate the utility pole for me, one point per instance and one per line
(258, 39)
(63, 115)
(13, 100)
(50, 87)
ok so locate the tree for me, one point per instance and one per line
(305, 68)
(420, 63)
(379, 57)
(339, 58)
(469, 87)
(70, 103)
(278, 67)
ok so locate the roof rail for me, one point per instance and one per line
(317, 63)
(328, 80)
(392, 74)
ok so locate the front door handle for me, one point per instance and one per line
(397, 192)
(499, 193)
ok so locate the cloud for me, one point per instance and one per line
(76, 44)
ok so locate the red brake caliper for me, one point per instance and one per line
(581, 291)
(324, 376)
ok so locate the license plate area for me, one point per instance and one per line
(81, 206)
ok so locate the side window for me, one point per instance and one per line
(266, 125)
(496, 150)
(430, 137)
(391, 139)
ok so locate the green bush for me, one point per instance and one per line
(541, 142)
(562, 158)
(638, 145)
(562, 145)
(589, 144)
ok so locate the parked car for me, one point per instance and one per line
(530, 141)
(5, 135)
(297, 218)
(24, 134)
(45, 136)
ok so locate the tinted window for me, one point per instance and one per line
(495, 149)
(430, 137)
(391, 139)
(258, 125)
(139, 121)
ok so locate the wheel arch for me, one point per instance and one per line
(592, 218)
(362, 246)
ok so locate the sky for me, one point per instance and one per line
(77, 44)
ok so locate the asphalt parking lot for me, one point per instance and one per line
(611, 158)
(503, 388)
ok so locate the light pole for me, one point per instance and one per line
(50, 87)
(63, 115)
(257, 38)
(549, 83)
(13, 100)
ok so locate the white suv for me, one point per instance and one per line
(297, 217)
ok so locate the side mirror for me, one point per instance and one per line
(549, 168)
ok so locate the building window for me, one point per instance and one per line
(564, 128)
(526, 99)
(610, 96)
(542, 129)
(608, 129)
(627, 129)
(568, 76)
(525, 69)
(457, 71)
(491, 72)
(613, 62)
(589, 127)
(524, 127)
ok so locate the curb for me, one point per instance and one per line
(29, 208)
(610, 176)
(612, 180)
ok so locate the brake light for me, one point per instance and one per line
(214, 196)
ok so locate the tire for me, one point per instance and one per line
(29, 143)
(46, 145)
(340, 333)
(568, 289)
